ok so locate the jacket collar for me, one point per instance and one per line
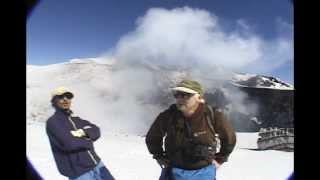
(63, 112)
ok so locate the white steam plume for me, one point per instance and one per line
(186, 38)
(193, 40)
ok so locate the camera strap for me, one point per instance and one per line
(210, 120)
(189, 131)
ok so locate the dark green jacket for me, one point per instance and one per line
(171, 125)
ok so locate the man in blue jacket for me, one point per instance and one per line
(71, 139)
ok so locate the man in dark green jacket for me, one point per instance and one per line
(190, 149)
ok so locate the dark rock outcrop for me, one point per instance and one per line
(275, 108)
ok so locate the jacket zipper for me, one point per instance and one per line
(95, 162)
(75, 128)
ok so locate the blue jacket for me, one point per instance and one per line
(73, 155)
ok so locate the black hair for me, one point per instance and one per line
(54, 101)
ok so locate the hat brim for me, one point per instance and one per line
(62, 93)
(184, 89)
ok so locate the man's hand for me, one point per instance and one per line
(162, 160)
(78, 133)
(217, 165)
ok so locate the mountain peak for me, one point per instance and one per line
(260, 81)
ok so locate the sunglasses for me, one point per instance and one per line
(182, 94)
(67, 95)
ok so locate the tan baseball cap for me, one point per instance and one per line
(59, 91)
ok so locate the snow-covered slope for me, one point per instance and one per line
(260, 81)
(101, 86)
(86, 80)
(102, 94)
(127, 157)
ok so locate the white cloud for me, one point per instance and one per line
(243, 24)
(188, 38)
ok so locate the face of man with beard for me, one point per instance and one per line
(186, 102)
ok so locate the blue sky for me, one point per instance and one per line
(58, 31)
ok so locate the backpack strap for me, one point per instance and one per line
(210, 120)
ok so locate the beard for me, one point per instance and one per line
(182, 107)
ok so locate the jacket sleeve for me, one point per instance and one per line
(62, 139)
(227, 136)
(91, 130)
(154, 137)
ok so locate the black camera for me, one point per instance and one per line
(195, 152)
